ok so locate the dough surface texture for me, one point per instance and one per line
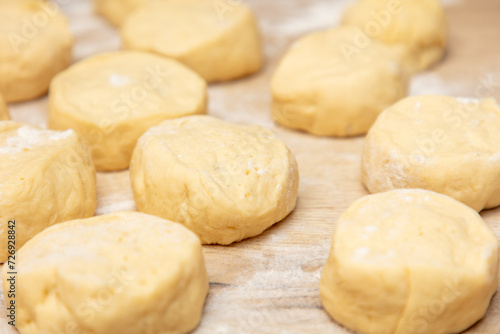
(224, 182)
(218, 43)
(416, 27)
(35, 45)
(445, 144)
(4, 113)
(46, 177)
(327, 88)
(122, 273)
(112, 99)
(116, 11)
(410, 261)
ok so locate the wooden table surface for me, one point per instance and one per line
(269, 284)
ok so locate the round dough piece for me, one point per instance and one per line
(225, 182)
(410, 262)
(116, 11)
(318, 84)
(220, 41)
(4, 114)
(444, 144)
(35, 44)
(112, 99)
(46, 177)
(416, 27)
(123, 273)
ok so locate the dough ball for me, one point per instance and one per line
(444, 144)
(35, 44)
(224, 182)
(410, 262)
(123, 273)
(116, 11)
(416, 27)
(112, 99)
(218, 40)
(46, 177)
(318, 84)
(4, 114)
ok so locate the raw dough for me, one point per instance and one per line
(123, 273)
(444, 144)
(218, 40)
(112, 99)
(225, 182)
(46, 177)
(416, 27)
(327, 86)
(410, 262)
(116, 11)
(4, 114)
(35, 44)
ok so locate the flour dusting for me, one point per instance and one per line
(27, 138)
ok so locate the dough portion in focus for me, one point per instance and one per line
(444, 144)
(4, 113)
(218, 41)
(35, 43)
(46, 177)
(112, 99)
(224, 182)
(319, 83)
(416, 27)
(410, 262)
(116, 11)
(128, 273)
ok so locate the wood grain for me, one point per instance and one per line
(269, 284)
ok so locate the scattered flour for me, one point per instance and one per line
(27, 138)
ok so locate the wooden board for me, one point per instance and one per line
(269, 284)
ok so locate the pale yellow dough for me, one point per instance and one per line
(416, 27)
(116, 11)
(324, 88)
(223, 181)
(218, 41)
(410, 262)
(444, 144)
(46, 177)
(112, 99)
(123, 273)
(4, 113)
(35, 44)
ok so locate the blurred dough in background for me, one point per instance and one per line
(416, 27)
(410, 262)
(35, 44)
(122, 273)
(46, 177)
(336, 82)
(225, 182)
(445, 144)
(116, 11)
(4, 113)
(112, 99)
(219, 43)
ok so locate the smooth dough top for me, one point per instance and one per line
(417, 26)
(23, 146)
(4, 114)
(431, 129)
(247, 167)
(176, 27)
(119, 241)
(125, 85)
(413, 228)
(325, 61)
(12, 13)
